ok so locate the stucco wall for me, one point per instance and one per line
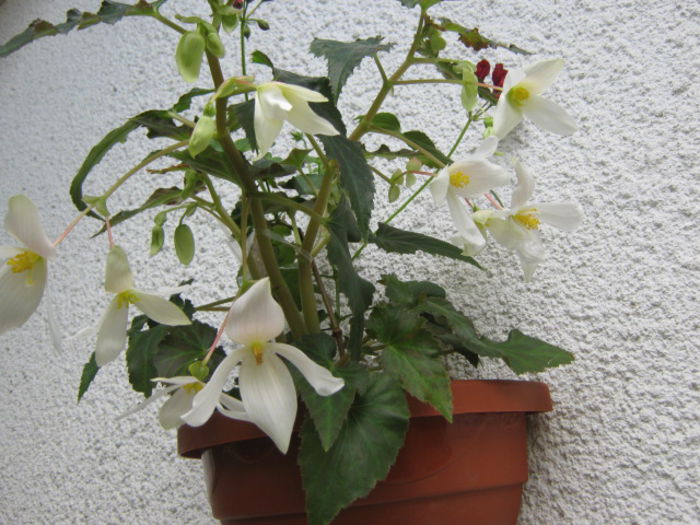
(621, 446)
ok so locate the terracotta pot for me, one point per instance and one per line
(469, 472)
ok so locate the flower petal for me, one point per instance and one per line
(21, 294)
(439, 185)
(266, 126)
(549, 115)
(7, 252)
(255, 317)
(531, 254)
(272, 101)
(472, 239)
(302, 117)
(506, 232)
(300, 92)
(486, 148)
(143, 404)
(541, 75)
(160, 310)
(318, 377)
(506, 117)
(483, 176)
(22, 221)
(207, 399)
(118, 276)
(232, 407)
(526, 185)
(567, 216)
(170, 414)
(269, 397)
(111, 337)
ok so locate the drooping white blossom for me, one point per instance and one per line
(24, 273)
(277, 102)
(521, 96)
(267, 390)
(111, 334)
(518, 227)
(471, 176)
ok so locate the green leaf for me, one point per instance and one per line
(387, 121)
(184, 345)
(258, 57)
(209, 161)
(520, 352)
(358, 291)
(89, 372)
(412, 356)
(409, 293)
(328, 412)
(157, 240)
(362, 455)
(355, 176)
(110, 12)
(394, 240)
(140, 353)
(185, 101)
(427, 144)
(184, 244)
(344, 57)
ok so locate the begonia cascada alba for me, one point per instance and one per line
(23, 276)
(518, 227)
(111, 334)
(521, 97)
(469, 177)
(267, 389)
(277, 102)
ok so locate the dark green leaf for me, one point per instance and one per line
(258, 57)
(244, 115)
(394, 240)
(386, 121)
(410, 293)
(412, 356)
(359, 291)
(141, 351)
(162, 196)
(89, 372)
(344, 57)
(184, 244)
(362, 455)
(185, 101)
(184, 345)
(328, 412)
(209, 161)
(421, 139)
(355, 176)
(110, 12)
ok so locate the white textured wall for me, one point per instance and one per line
(621, 446)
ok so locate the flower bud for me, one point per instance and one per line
(499, 75)
(482, 69)
(214, 44)
(204, 131)
(189, 55)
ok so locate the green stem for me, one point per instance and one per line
(364, 124)
(461, 135)
(216, 303)
(225, 217)
(427, 81)
(262, 236)
(242, 45)
(410, 143)
(169, 23)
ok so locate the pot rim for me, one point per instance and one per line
(469, 396)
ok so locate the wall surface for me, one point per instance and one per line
(621, 446)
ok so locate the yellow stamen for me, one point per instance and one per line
(518, 95)
(459, 179)
(528, 218)
(257, 352)
(126, 298)
(23, 261)
(193, 388)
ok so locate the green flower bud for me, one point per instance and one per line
(198, 370)
(394, 193)
(189, 55)
(203, 133)
(214, 44)
(414, 164)
(157, 239)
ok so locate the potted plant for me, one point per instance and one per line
(366, 358)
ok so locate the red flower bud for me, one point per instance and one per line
(482, 69)
(499, 75)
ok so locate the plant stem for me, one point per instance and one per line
(240, 166)
(169, 23)
(410, 143)
(218, 206)
(335, 326)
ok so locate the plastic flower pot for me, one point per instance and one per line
(469, 471)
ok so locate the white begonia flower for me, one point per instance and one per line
(469, 177)
(23, 276)
(521, 96)
(276, 102)
(111, 334)
(266, 386)
(185, 388)
(518, 228)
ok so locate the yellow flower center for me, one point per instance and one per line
(193, 388)
(518, 95)
(124, 299)
(459, 179)
(23, 261)
(528, 218)
(257, 352)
